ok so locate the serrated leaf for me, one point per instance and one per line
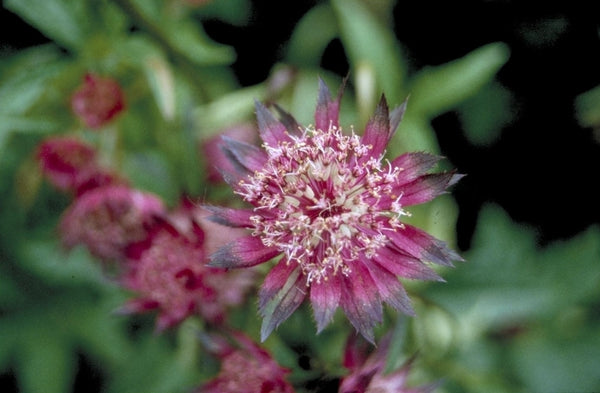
(435, 90)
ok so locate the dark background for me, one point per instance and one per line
(544, 167)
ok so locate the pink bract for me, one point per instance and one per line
(333, 207)
(98, 100)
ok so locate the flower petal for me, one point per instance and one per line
(413, 165)
(280, 295)
(245, 251)
(237, 218)
(248, 156)
(423, 246)
(390, 289)
(328, 111)
(271, 130)
(396, 116)
(403, 265)
(290, 123)
(325, 297)
(424, 189)
(377, 131)
(361, 302)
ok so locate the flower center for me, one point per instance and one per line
(316, 201)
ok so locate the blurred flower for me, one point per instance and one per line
(214, 155)
(107, 219)
(98, 100)
(333, 207)
(168, 272)
(71, 166)
(367, 371)
(245, 367)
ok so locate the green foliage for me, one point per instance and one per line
(514, 318)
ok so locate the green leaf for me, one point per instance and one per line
(307, 43)
(369, 41)
(435, 90)
(64, 21)
(46, 363)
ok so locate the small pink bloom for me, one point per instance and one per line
(215, 156)
(62, 159)
(331, 204)
(107, 219)
(245, 367)
(98, 100)
(367, 371)
(168, 273)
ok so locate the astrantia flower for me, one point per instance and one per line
(367, 371)
(98, 100)
(334, 207)
(107, 219)
(168, 273)
(245, 367)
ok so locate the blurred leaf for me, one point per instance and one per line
(235, 12)
(46, 363)
(485, 114)
(587, 107)
(64, 21)
(150, 170)
(435, 90)
(367, 40)
(307, 43)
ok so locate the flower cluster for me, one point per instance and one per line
(98, 100)
(333, 207)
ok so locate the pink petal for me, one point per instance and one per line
(290, 123)
(245, 251)
(280, 295)
(396, 116)
(248, 156)
(271, 130)
(237, 218)
(423, 246)
(424, 188)
(390, 289)
(361, 302)
(403, 265)
(414, 165)
(328, 110)
(377, 132)
(325, 297)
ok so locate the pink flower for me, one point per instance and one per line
(367, 371)
(245, 367)
(107, 219)
(71, 166)
(98, 100)
(168, 272)
(333, 207)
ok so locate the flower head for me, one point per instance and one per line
(331, 204)
(168, 272)
(107, 219)
(98, 100)
(245, 367)
(367, 371)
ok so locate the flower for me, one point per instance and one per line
(71, 165)
(168, 272)
(245, 367)
(333, 207)
(107, 219)
(98, 100)
(367, 371)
